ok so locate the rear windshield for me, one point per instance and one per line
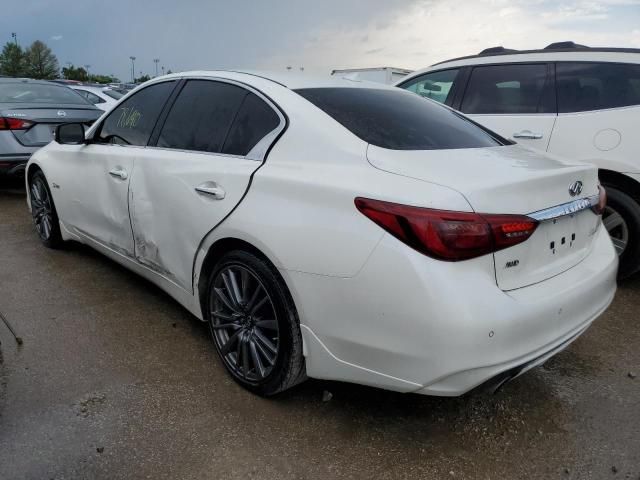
(113, 94)
(25, 92)
(399, 120)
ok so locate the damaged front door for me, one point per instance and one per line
(196, 171)
(96, 184)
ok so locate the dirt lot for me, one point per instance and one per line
(116, 380)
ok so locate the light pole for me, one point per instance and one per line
(87, 68)
(162, 69)
(133, 69)
(156, 60)
(14, 35)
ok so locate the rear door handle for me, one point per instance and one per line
(528, 134)
(211, 189)
(118, 173)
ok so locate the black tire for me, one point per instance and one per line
(629, 209)
(232, 315)
(43, 211)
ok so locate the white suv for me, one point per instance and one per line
(574, 101)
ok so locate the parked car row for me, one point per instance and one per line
(30, 110)
(336, 229)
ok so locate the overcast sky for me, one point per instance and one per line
(319, 35)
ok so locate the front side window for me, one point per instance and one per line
(133, 121)
(595, 86)
(398, 120)
(507, 89)
(436, 85)
(202, 115)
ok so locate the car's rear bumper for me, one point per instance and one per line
(413, 324)
(13, 164)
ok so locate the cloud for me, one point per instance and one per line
(428, 32)
(56, 37)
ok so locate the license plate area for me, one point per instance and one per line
(557, 245)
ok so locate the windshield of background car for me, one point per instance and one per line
(399, 120)
(24, 92)
(113, 94)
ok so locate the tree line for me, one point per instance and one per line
(39, 62)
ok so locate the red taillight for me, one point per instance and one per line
(448, 235)
(11, 123)
(602, 200)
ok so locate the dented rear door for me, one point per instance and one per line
(212, 139)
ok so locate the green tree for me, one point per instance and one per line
(142, 79)
(12, 62)
(102, 78)
(41, 62)
(75, 73)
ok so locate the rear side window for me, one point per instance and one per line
(90, 96)
(254, 121)
(435, 86)
(133, 121)
(398, 120)
(596, 86)
(202, 115)
(504, 89)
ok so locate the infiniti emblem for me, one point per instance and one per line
(575, 188)
(62, 113)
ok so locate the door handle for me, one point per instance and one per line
(118, 173)
(528, 134)
(211, 189)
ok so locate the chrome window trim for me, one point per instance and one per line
(569, 208)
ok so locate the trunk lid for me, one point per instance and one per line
(512, 180)
(46, 118)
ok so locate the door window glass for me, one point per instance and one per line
(436, 85)
(595, 86)
(202, 115)
(254, 121)
(503, 89)
(133, 121)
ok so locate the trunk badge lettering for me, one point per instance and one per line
(512, 263)
(575, 188)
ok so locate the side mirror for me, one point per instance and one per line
(70, 134)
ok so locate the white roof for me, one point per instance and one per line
(291, 80)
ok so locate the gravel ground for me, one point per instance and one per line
(115, 380)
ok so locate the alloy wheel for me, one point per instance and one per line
(617, 228)
(42, 210)
(244, 323)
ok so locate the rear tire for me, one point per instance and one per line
(43, 212)
(622, 220)
(254, 324)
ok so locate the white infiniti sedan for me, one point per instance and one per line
(335, 229)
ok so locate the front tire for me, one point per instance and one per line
(621, 218)
(254, 324)
(43, 211)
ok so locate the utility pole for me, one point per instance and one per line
(14, 35)
(133, 69)
(156, 60)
